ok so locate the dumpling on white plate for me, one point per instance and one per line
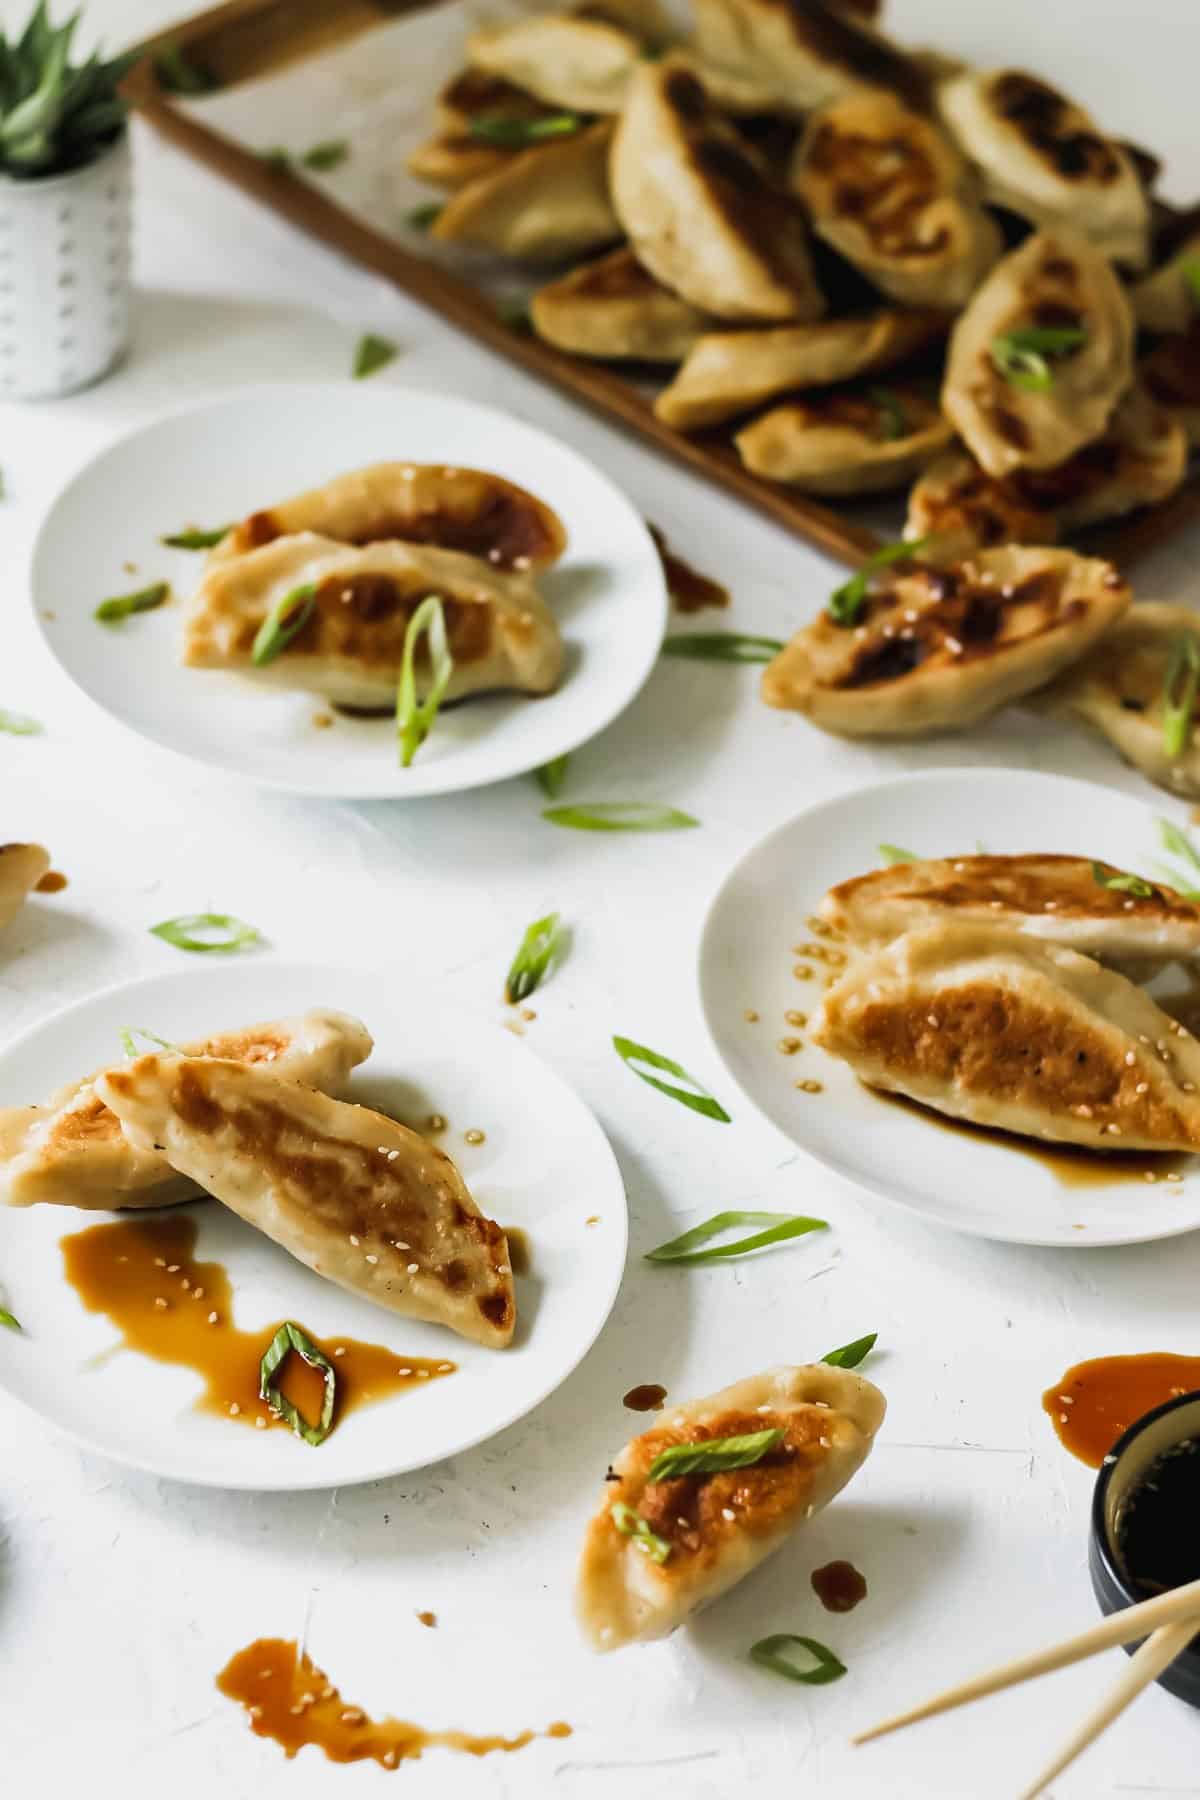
(890, 192)
(1041, 356)
(545, 204)
(21, 868)
(420, 503)
(995, 1027)
(354, 1196)
(1171, 374)
(569, 60)
(939, 648)
(846, 440)
(1169, 299)
(614, 308)
(457, 153)
(802, 55)
(71, 1151)
(731, 372)
(699, 207)
(501, 633)
(656, 1551)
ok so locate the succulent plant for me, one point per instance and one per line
(55, 116)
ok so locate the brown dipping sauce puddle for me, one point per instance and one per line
(1097, 1401)
(294, 1703)
(839, 1586)
(689, 590)
(123, 1270)
(646, 1398)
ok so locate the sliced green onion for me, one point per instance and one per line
(291, 1336)
(277, 158)
(1178, 843)
(539, 950)
(778, 1651)
(846, 602)
(632, 1525)
(414, 718)
(328, 155)
(620, 815)
(286, 620)
(780, 1227)
(494, 128)
(722, 646)
(1179, 694)
(179, 75)
(515, 314)
(373, 353)
(122, 605)
(893, 422)
(890, 854)
(18, 724)
(1021, 356)
(235, 933)
(194, 537)
(422, 217)
(715, 1454)
(848, 1356)
(129, 1033)
(1190, 271)
(1171, 879)
(9, 1320)
(1122, 884)
(699, 1100)
(552, 775)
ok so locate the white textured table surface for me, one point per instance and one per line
(121, 1596)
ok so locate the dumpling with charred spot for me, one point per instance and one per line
(991, 1026)
(890, 192)
(966, 509)
(579, 63)
(21, 868)
(1171, 374)
(699, 207)
(801, 56)
(845, 440)
(1169, 299)
(657, 1550)
(937, 649)
(614, 308)
(354, 1196)
(545, 204)
(1044, 157)
(1041, 356)
(462, 146)
(359, 603)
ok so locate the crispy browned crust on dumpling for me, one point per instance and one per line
(614, 308)
(578, 63)
(454, 155)
(720, 1526)
(937, 649)
(356, 1197)
(845, 441)
(731, 372)
(967, 509)
(998, 1028)
(21, 868)
(699, 207)
(803, 53)
(544, 204)
(1167, 300)
(1171, 374)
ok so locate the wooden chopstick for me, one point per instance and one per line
(1179, 1606)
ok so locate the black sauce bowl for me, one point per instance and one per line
(1122, 1471)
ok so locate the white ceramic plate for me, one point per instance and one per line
(949, 1177)
(545, 1166)
(247, 450)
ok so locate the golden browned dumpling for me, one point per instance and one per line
(699, 208)
(1171, 374)
(615, 308)
(967, 510)
(21, 868)
(580, 63)
(656, 1551)
(991, 1026)
(455, 154)
(938, 649)
(731, 372)
(846, 441)
(800, 54)
(1169, 299)
(357, 1198)
(545, 204)
(888, 190)
(1043, 157)
(1041, 356)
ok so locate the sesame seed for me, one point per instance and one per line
(256, 1712)
(1050, 906)
(810, 1087)
(1174, 1177)
(412, 1268)
(185, 1284)
(1062, 1418)
(160, 1262)
(1129, 906)
(750, 1016)
(160, 1303)
(422, 1374)
(764, 1409)
(371, 1259)
(959, 867)
(933, 1020)
(474, 1137)
(260, 1424)
(1130, 1058)
(1084, 1112)
(809, 1511)
(1143, 1087)
(339, 1350)
(445, 1368)
(234, 1409)
(727, 1512)
(353, 1715)
(795, 1018)
(354, 1240)
(682, 1523)
(802, 972)
(392, 1155)
(297, 1709)
(404, 1371)
(1189, 1087)
(198, 1293)
(824, 1443)
(399, 1244)
(1113, 1130)
(390, 1758)
(1067, 1399)
(172, 1268)
(1149, 1175)
(788, 1046)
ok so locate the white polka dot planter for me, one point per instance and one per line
(64, 277)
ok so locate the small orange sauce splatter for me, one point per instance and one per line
(1097, 1401)
(52, 882)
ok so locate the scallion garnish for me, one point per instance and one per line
(715, 1454)
(233, 934)
(780, 1227)
(327, 155)
(179, 75)
(693, 1096)
(552, 775)
(373, 353)
(422, 217)
(632, 1525)
(722, 646)
(1179, 694)
(129, 1033)
(286, 619)
(540, 949)
(620, 815)
(1190, 271)
(9, 1320)
(847, 602)
(1121, 883)
(291, 1336)
(848, 1356)
(109, 612)
(194, 537)
(1021, 356)
(18, 724)
(513, 134)
(777, 1653)
(414, 718)
(1178, 843)
(890, 854)
(893, 422)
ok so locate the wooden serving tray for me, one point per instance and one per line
(243, 39)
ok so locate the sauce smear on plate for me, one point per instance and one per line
(689, 590)
(648, 1397)
(839, 1586)
(1095, 1402)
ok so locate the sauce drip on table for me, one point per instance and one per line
(839, 1586)
(689, 590)
(1156, 1532)
(646, 1398)
(52, 882)
(294, 1703)
(1095, 1402)
(142, 1274)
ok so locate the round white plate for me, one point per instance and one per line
(249, 449)
(746, 962)
(545, 1166)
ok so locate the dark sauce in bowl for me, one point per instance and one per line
(1156, 1536)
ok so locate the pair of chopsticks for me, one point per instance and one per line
(1168, 1623)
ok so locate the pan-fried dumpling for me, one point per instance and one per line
(994, 1027)
(731, 372)
(717, 1527)
(615, 308)
(1054, 282)
(938, 649)
(71, 1151)
(699, 208)
(419, 503)
(362, 1201)
(1054, 898)
(21, 868)
(1043, 157)
(889, 191)
(967, 510)
(578, 63)
(1119, 686)
(802, 55)
(454, 154)
(1171, 373)
(1169, 300)
(846, 442)
(545, 204)
(501, 632)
